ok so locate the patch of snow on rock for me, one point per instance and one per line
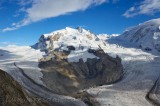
(74, 56)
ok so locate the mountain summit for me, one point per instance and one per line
(78, 41)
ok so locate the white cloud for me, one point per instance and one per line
(147, 7)
(24, 2)
(43, 9)
(115, 1)
(9, 29)
(8, 43)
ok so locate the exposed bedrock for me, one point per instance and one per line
(13, 94)
(68, 78)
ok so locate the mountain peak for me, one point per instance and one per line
(78, 41)
(153, 21)
(69, 31)
(145, 35)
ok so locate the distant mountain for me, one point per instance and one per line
(145, 35)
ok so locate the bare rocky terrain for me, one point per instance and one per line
(13, 94)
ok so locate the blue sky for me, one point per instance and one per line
(23, 21)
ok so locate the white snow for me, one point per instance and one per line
(106, 36)
(103, 36)
(25, 57)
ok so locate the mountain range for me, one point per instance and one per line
(75, 67)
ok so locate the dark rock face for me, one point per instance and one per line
(71, 47)
(68, 78)
(153, 94)
(12, 94)
(148, 49)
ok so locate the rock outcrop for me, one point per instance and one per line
(13, 94)
(68, 78)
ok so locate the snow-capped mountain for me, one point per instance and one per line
(75, 61)
(145, 35)
(78, 41)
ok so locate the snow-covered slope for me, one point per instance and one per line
(77, 40)
(146, 35)
(25, 57)
(106, 36)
